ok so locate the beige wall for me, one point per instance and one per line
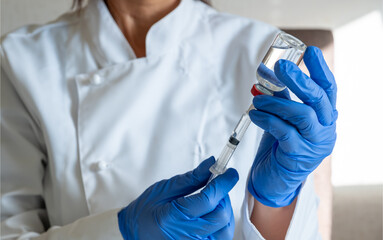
(15, 13)
(328, 14)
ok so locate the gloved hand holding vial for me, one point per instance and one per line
(297, 135)
(285, 47)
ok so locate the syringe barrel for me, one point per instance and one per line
(220, 165)
(242, 126)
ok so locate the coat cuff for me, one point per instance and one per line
(304, 223)
(99, 226)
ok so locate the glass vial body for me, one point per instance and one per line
(284, 46)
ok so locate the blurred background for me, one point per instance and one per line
(351, 34)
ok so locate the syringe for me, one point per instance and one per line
(220, 166)
(284, 46)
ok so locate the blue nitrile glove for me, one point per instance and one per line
(298, 136)
(165, 211)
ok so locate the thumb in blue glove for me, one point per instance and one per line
(298, 136)
(166, 211)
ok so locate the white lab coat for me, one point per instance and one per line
(87, 127)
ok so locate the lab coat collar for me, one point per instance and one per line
(111, 46)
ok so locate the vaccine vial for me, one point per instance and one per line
(284, 46)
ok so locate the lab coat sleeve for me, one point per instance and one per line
(304, 223)
(23, 163)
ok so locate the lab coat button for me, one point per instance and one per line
(103, 165)
(95, 79)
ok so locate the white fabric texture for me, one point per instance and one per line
(87, 126)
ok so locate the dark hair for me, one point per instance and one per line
(78, 4)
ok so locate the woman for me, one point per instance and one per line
(99, 106)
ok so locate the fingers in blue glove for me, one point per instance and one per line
(185, 184)
(207, 200)
(227, 232)
(222, 213)
(306, 89)
(299, 115)
(291, 145)
(156, 213)
(206, 225)
(217, 219)
(286, 134)
(320, 72)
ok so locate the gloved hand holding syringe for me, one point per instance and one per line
(285, 47)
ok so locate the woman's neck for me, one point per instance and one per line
(135, 17)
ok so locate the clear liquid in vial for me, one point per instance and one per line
(265, 72)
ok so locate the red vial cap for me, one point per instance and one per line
(255, 91)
